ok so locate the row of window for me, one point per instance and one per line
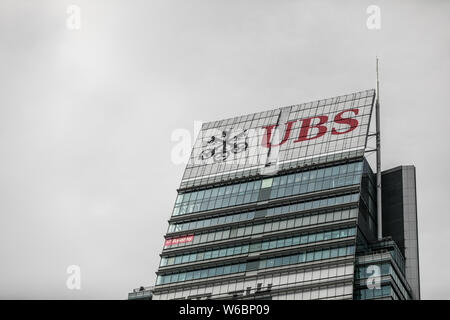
(315, 185)
(339, 291)
(175, 227)
(364, 294)
(258, 246)
(307, 257)
(313, 175)
(245, 187)
(315, 204)
(282, 186)
(273, 281)
(303, 257)
(282, 224)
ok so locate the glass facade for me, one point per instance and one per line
(280, 205)
(276, 211)
(305, 238)
(240, 232)
(303, 257)
(281, 186)
(297, 221)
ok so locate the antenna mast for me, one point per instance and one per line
(377, 110)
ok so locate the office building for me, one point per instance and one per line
(282, 205)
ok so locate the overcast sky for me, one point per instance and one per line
(86, 118)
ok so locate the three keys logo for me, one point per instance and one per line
(219, 147)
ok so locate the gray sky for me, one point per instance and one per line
(86, 118)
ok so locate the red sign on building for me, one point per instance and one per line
(182, 239)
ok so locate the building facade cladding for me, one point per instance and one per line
(262, 214)
(400, 240)
(291, 245)
(400, 218)
(380, 272)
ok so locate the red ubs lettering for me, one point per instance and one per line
(306, 126)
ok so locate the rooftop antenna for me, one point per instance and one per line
(377, 110)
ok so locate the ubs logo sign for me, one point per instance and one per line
(307, 126)
(226, 143)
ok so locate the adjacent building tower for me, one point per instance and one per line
(281, 204)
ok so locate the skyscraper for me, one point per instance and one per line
(281, 204)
